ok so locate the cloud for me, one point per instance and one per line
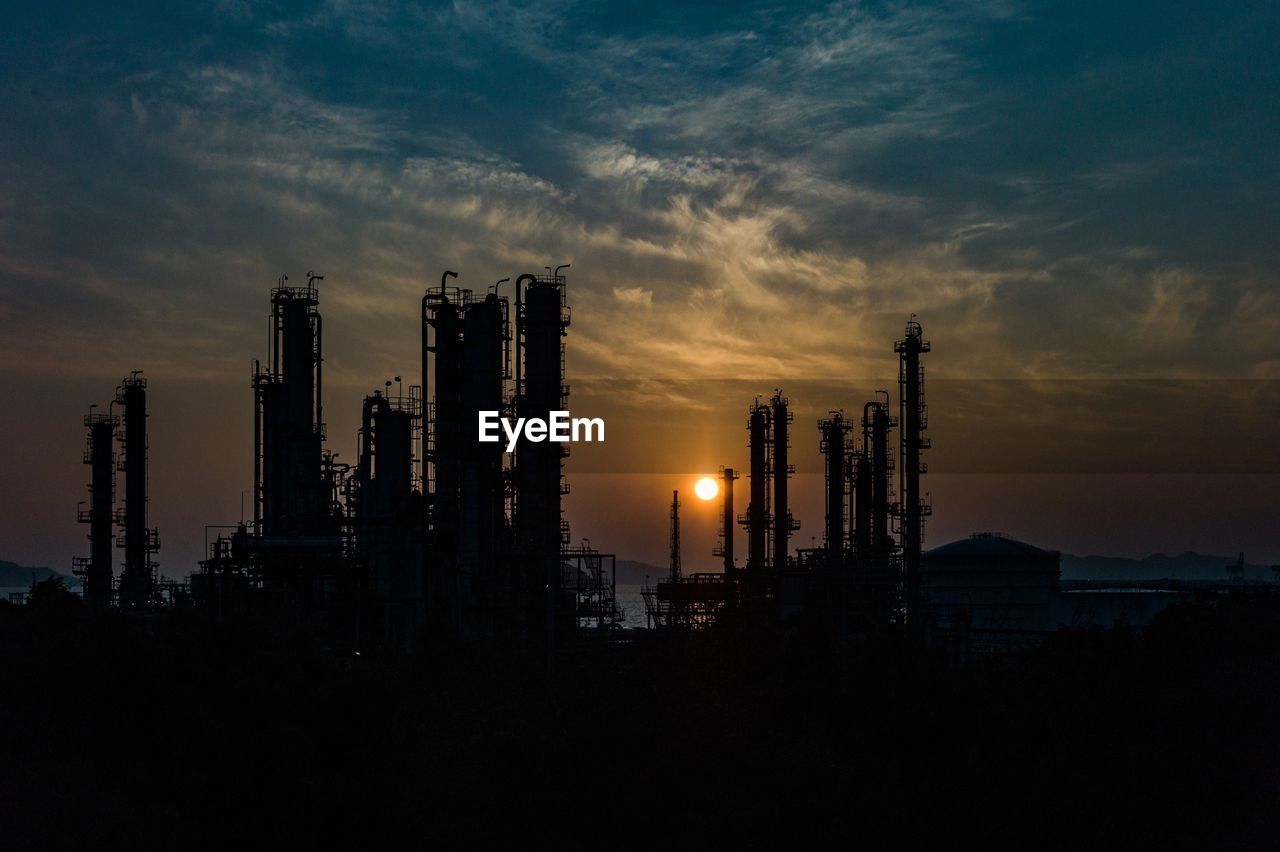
(758, 192)
(785, 186)
(1175, 308)
(633, 296)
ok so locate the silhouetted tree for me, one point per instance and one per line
(51, 597)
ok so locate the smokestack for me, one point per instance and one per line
(675, 536)
(725, 550)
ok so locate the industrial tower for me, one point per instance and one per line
(914, 420)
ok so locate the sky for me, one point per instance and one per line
(1079, 200)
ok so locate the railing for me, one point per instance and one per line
(308, 293)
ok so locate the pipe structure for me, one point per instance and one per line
(447, 429)
(675, 538)
(387, 521)
(290, 409)
(426, 367)
(521, 281)
(757, 517)
(541, 326)
(393, 456)
(266, 432)
(257, 447)
(370, 512)
(100, 456)
(862, 503)
(481, 487)
(297, 484)
(880, 422)
(833, 448)
(136, 580)
(374, 406)
(435, 590)
(725, 550)
(783, 523)
(386, 458)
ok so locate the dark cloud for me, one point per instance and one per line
(751, 191)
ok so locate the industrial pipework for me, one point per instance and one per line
(289, 489)
(725, 548)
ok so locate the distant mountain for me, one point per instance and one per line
(13, 575)
(1158, 566)
(637, 573)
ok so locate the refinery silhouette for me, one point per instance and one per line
(413, 640)
(433, 533)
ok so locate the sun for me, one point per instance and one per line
(706, 488)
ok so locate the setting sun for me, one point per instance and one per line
(706, 488)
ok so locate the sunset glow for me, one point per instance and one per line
(706, 488)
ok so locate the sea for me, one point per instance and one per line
(632, 602)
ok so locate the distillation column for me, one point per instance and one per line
(447, 427)
(388, 525)
(834, 430)
(783, 523)
(876, 422)
(100, 456)
(480, 483)
(862, 502)
(137, 580)
(757, 516)
(725, 550)
(542, 320)
(289, 426)
(913, 421)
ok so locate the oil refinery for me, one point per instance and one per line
(418, 633)
(440, 532)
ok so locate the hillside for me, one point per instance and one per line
(1158, 566)
(631, 573)
(13, 575)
